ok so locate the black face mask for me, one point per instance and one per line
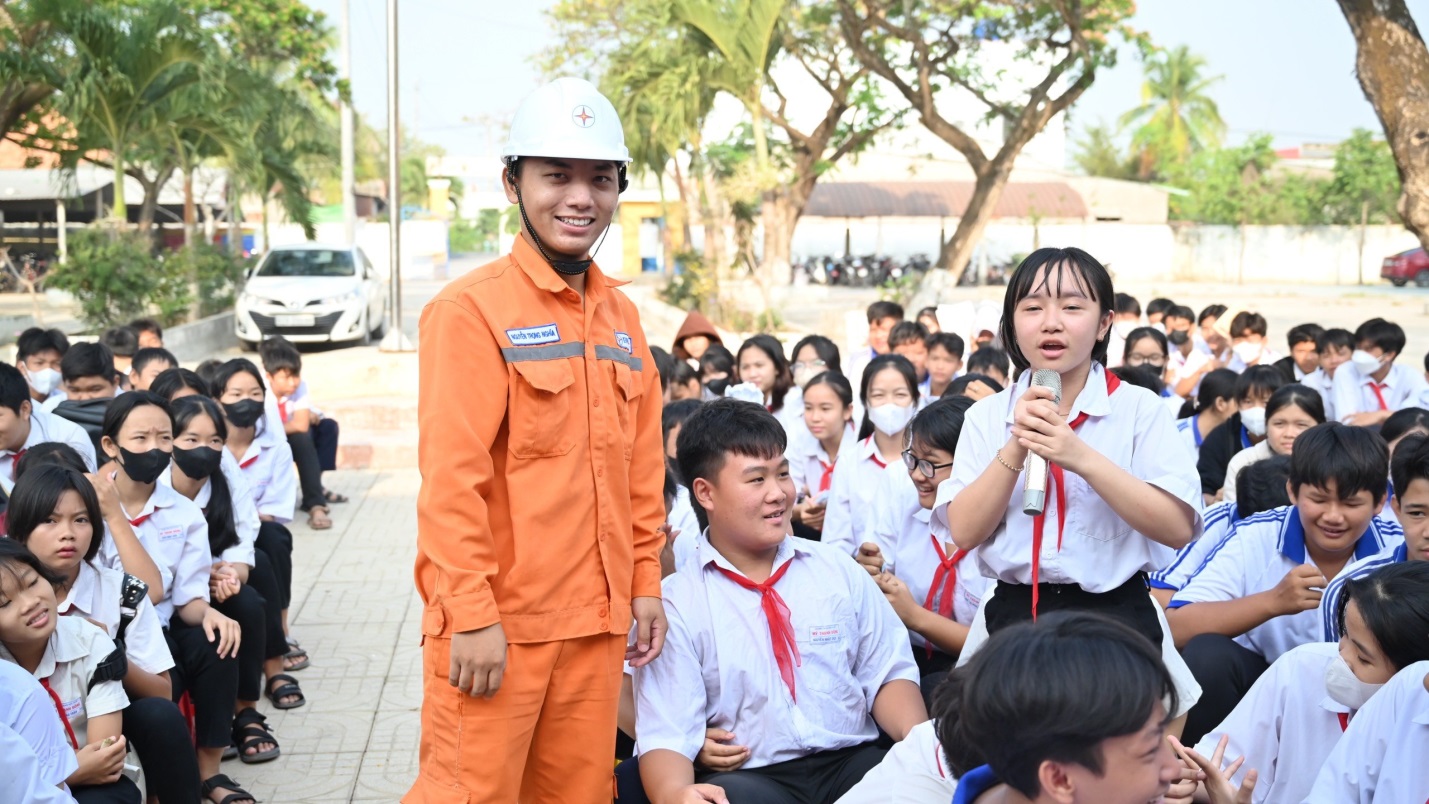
(1178, 337)
(245, 413)
(144, 467)
(199, 462)
(718, 386)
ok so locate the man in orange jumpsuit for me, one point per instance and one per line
(542, 484)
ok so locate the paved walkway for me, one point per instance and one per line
(356, 611)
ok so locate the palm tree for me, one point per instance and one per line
(1176, 115)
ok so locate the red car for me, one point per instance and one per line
(1407, 265)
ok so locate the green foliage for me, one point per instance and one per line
(216, 275)
(467, 237)
(694, 288)
(901, 290)
(1176, 114)
(1366, 180)
(1097, 154)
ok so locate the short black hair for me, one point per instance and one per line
(681, 372)
(14, 388)
(988, 357)
(208, 369)
(940, 424)
(48, 453)
(1182, 311)
(1161, 305)
(826, 349)
(171, 380)
(1258, 381)
(151, 354)
(1304, 333)
(279, 354)
(951, 342)
(142, 325)
(959, 387)
(1337, 338)
(719, 429)
(1216, 385)
(1061, 264)
(1140, 376)
(1403, 421)
(880, 310)
(14, 555)
(999, 709)
(92, 359)
(1301, 396)
(664, 363)
(1354, 458)
(1246, 320)
(1387, 335)
(1126, 304)
(1393, 601)
(35, 340)
(1261, 486)
(1211, 311)
(676, 414)
(36, 494)
(1410, 462)
(122, 341)
(842, 388)
(907, 332)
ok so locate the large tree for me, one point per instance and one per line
(1393, 68)
(1177, 117)
(923, 49)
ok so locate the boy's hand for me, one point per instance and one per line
(718, 755)
(870, 557)
(650, 630)
(1217, 782)
(1300, 590)
(478, 660)
(696, 793)
(98, 764)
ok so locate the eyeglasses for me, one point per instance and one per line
(1143, 360)
(801, 365)
(927, 468)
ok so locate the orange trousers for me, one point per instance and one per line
(548, 735)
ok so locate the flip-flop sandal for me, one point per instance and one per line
(222, 782)
(288, 688)
(230, 751)
(299, 659)
(319, 524)
(334, 497)
(250, 730)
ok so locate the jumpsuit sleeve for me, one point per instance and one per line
(458, 423)
(647, 483)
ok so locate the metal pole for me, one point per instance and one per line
(349, 207)
(396, 340)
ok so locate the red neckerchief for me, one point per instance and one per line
(141, 520)
(781, 630)
(828, 477)
(1344, 720)
(875, 457)
(1378, 388)
(15, 461)
(1057, 481)
(946, 577)
(60, 708)
(250, 461)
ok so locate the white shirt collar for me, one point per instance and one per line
(706, 554)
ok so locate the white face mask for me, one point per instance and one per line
(1123, 328)
(890, 419)
(805, 374)
(1344, 687)
(1254, 421)
(746, 392)
(1365, 363)
(44, 381)
(1247, 351)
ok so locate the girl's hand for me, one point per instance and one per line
(1041, 429)
(99, 765)
(223, 581)
(1183, 790)
(896, 591)
(870, 558)
(719, 754)
(1217, 782)
(224, 630)
(813, 514)
(108, 495)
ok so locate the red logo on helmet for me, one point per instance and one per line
(583, 117)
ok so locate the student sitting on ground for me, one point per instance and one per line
(37, 354)
(1256, 597)
(1334, 348)
(1292, 410)
(800, 657)
(945, 363)
(910, 339)
(1213, 404)
(147, 364)
(1245, 428)
(23, 426)
(991, 362)
(1304, 357)
(89, 387)
(1373, 387)
(1290, 721)
(150, 334)
(35, 755)
(1380, 758)
(311, 436)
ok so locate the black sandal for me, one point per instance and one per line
(220, 781)
(250, 730)
(299, 659)
(334, 497)
(287, 689)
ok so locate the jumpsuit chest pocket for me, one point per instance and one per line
(629, 387)
(539, 409)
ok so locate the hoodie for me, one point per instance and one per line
(695, 324)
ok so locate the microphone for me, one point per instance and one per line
(1034, 495)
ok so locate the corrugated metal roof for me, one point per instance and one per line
(40, 184)
(940, 199)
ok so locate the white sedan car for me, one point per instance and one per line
(313, 293)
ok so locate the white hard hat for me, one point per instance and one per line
(566, 118)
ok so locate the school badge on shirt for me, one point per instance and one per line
(623, 341)
(825, 634)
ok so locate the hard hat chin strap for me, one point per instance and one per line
(563, 267)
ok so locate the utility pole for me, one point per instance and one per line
(349, 203)
(396, 340)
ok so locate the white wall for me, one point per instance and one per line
(424, 243)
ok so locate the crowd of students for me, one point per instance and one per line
(146, 567)
(1221, 600)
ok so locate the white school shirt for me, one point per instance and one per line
(681, 517)
(95, 596)
(1325, 384)
(850, 645)
(1263, 549)
(1189, 429)
(1188, 366)
(267, 464)
(1268, 357)
(175, 534)
(904, 532)
(807, 458)
(1220, 521)
(73, 653)
(1285, 726)
(1354, 393)
(912, 772)
(1239, 462)
(26, 708)
(47, 427)
(791, 415)
(850, 510)
(23, 776)
(1099, 551)
(1329, 603)
(245, 508)
(1380, 759)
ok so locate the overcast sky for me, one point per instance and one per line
(1287, 65)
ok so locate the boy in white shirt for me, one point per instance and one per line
(1335, 346)
(1257, 595)
(23, 425)
(798, 653)
(1372, 388)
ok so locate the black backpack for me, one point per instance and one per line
(116, 665)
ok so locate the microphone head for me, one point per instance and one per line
(1047, 378)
